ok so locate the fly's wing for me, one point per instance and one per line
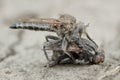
(46, 24)
(89, 46)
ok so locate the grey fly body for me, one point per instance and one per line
(68, 40)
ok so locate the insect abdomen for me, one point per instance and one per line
(32, 26)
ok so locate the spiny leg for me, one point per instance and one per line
(90, 38)
(45, 53)
(52, 45)
(64, 48)
(51, 37)
(47, 39)
(48, 45)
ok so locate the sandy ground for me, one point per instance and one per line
(21, 57)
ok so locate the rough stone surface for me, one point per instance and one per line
(21, 57)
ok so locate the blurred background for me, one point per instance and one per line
(103, 16)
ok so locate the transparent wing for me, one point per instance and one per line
(46, 24)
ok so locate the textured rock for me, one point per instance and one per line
(21, 57)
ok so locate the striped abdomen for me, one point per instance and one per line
(33, 26)
(47, 24)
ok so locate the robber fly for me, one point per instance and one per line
(65, 27)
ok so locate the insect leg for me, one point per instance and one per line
(55, 54)
(64, 48)
(45, 53)
(47, 39)
(90, 38)
(51, 37)
(50, 46)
